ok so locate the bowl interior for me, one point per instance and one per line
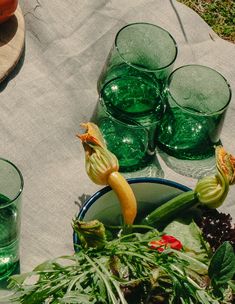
(149, 192)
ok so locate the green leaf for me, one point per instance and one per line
(45, 266)
(19, 279)
(78, 298)
(222, 265)
(193, 263)
(232, 285)
(204, 298)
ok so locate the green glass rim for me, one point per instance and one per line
(11, 201)
(137, 67)
(190, 111)
(126, 122)
(119, 113)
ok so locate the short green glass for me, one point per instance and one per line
(197, 98)
(143, 50)
(132, 141)
(11, 187)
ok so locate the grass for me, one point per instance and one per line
(219, 15)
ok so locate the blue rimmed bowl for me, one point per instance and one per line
(149, 192)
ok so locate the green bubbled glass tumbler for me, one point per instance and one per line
(197, 98)
(143, 50)
(11, 187)
(132, 141)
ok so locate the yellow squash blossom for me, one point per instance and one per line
(102, 168)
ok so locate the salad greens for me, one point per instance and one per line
(131, 269)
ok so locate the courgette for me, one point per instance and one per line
(171, 209)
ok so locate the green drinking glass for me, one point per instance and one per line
(132, 141)
(11, 187)
(197, 98)
(143, 50)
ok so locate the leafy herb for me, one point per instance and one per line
(110, 274)
(222, 265)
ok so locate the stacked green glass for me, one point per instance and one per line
(130, 89)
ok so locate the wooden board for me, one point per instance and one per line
(12, 36)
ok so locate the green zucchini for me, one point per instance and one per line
(171, 209)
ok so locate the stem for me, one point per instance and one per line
(125, 196)
(141, 256)
(174, 267)
(133, 227)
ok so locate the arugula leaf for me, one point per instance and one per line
(78, 298)
(222, 266)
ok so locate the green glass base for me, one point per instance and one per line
(9, 242)
(4, 278)
(198, 154)
(8, 262)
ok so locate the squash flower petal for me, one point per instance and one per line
(226, 164)
(92, 135)
(99, 161)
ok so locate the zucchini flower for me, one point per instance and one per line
(102, 167)
(212, 190)
(226, 164)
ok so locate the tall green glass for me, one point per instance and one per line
(197, 98)
(11, 187)
(142, 50)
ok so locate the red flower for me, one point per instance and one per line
(166, 241)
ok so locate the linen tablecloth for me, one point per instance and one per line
(53, 89)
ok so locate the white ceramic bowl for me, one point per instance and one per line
(149, 192)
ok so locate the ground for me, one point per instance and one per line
(219, 14)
